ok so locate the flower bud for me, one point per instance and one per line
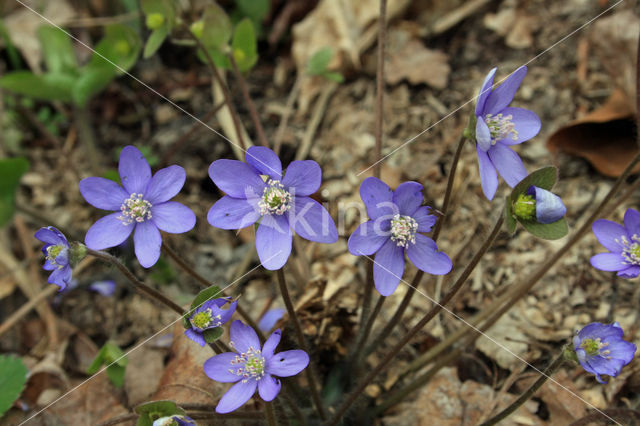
(197, 28)
(77, 252)
(155, 21)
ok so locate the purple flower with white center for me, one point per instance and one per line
(252, 368)
(175, 420)
(623, 243)
(257, 191)
(270, 319)
(601, 350)
(499, 126)
(209, 315)
(397, 220)
(57, 254)
(546, 206)
(141, 203)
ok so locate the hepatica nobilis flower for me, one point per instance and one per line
(250, 367)
(397, 219)
(141, 203)
(258, 191)
(601, 350)
(499, 126)
(623, 243)
(545, 206)
(57, 254)
(209, 315)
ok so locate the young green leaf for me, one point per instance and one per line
(212, 334)
(551, 231)
(92, 81)
(118, 50)
(543, 178)
(166, 8)
(333, 76)
(13, 377)
(154, 410)
(155, 40)
(114, 358)
(244, 45)
(115, 373)
(11, 170)
(217, 28)
(57, 50)
(256, 10)
(320, 61)
(48, 87)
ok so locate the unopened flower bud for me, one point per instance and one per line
(155, 20)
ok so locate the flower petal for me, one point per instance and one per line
(103, 193)
(607, 232)
(632, 222)
(236, 396)
(425, 256)
(305, 176)
(425, 219)
(270, 319)
(549, 207)
(378, 198)
(408, 197)
(217, 368)
(269, 387)
(630, 272)
(134, 170)
(236, 178)
(243, 337)
(173, 217)
(507, 163)
(147, 242)
(608, 262)
(527, 124)
(368, 238)
(107, 232)
(311, 221)
(502, 96)
(233, 213)
(273, 241)
(51, 235)
(485, 91)
(196, 337)
(60, 277)
(388, 268)
(488, 174)
(271, 343)
(483, 134)
(287, 363)
(597, 330)
(165, 184)
(264, 161)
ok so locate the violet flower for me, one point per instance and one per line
(58, 254)
(209, 315)
(397, 220)
(252, 368)
(104, 287)
(175, 420)
(498, 127)
(257, 191)
(143, 204)
(270, 319)
(623, 243)
(601, 350)
(544, 205)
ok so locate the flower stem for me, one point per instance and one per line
(137, 284)
(366, 304)
(247, 99)
(555, 364)
(87, 137)
(268, 414)
(366, 329)
(390, 356)
(382, 34)
(204, 283)
(315, 395)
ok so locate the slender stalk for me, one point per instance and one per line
(359, 353)
(315, 395)
(247, 99)
(286, 395)
(268, 414)
(390, 356)
(555, 364)
(26, 308)
(622, 414)
(137, 284)
(87, 136)
(404, 304)
(366, 305)
(382, 34)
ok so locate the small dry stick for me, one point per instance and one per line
(247, 99)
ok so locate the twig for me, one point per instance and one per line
(621, 413)
(26, 308)
(247, 99)
(316, 118)
(288, 109)
(359, 353)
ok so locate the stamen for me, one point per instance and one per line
(52, 254)
(403, 230)
(630, 249)
(500, 127)
(135, 209)
(251, 365)
(275, 199)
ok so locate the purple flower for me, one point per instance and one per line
(252, 368)
(175, 420)
(270, 319)
(105, 288)
(143, 204)
(623, 242)
(499, 126)
(256, 190)
(209, 315)
(601, 350)
(397, 220)
(546, 206)
(58, 253)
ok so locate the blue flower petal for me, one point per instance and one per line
(311, 221)
(270, 345)
(196, 337)
(388, 268)
(273, 241)
(502, 96)
(233, 213)
(108, 232)
(173, 217)
(268, 387)
(488, 174)
(632, 222)
(51, 235)
(408, 197)
(425, 219)
(368, 238)
(607, 232)
(217, 368)
(483, 135)
(165, 184)
(134, 170)
(425, 256)
(302, 177)
(608, 262)
(484, 92)
(243, 337)
(549, 207)
(236, 396)
(507, 163)
(287, 363)
(270, 319)
(103, 193)
(527, 124)
(378, 198)
(264, 161)
(147, 240)
(236, 179)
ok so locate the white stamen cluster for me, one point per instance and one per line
(275, 199)
(500, 127)
(594, 347)
(250, 364)
(52, 254)
(403, 230)
(630, 249)
(206, 319)
(135, 209)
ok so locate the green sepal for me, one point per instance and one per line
(13, 378)
(550, 231)
(208, 293)
(77, 252)
(570, 354)
(509, 219)
(11, 170)
(469, 132)
(154, 410)
(212, 334)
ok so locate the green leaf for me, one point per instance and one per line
(164, 7)
(114, 358)
(48, 87)
(217, 28)
(120, 46)
(255, 9)
(153, 410)
(13, 377)
(219, 59)
(244, 45)
(11, 170)
(320, 61)
(57, 50)
(543, 178)
(212, 334)
(551, 231)
(12, 52)
(333, 76)
(155, 40)
(115, 373)
(208, 293)
(92, 81)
